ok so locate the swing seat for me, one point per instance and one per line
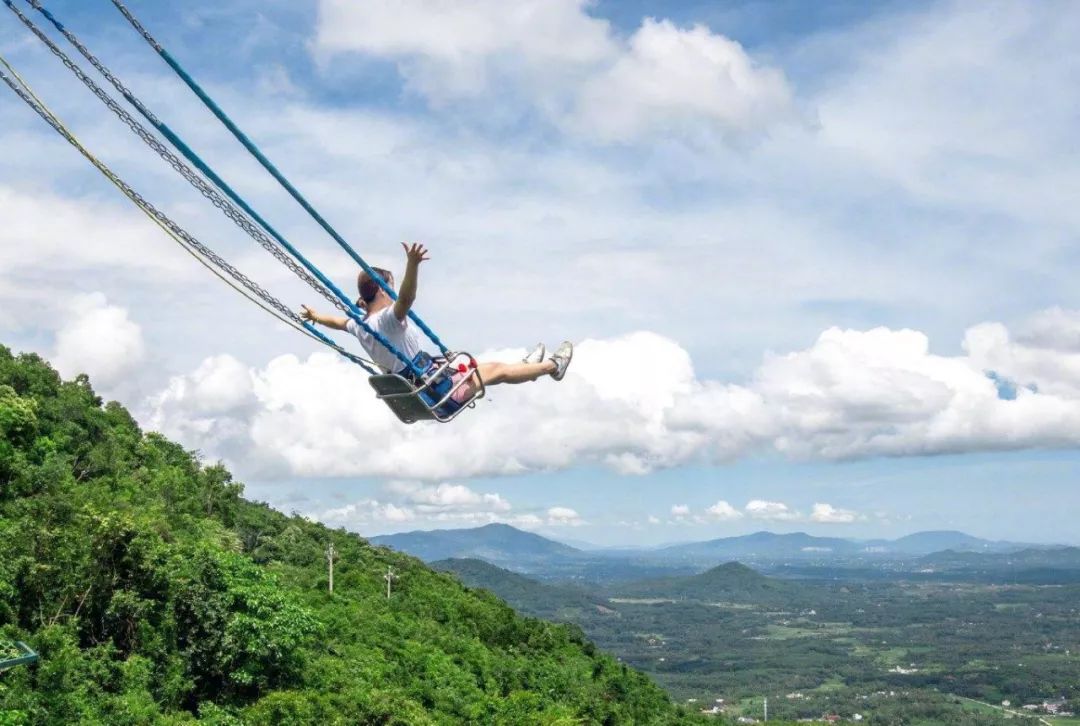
(26, 657)
(429, 397)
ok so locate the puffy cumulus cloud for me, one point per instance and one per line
(441, 505)
(1043, 356)
(762, 509)
(771, 511)
(634, 403)
(653, 519)
(405, 501)
(828, 514)
(574, 69)
(881, 392)
(365, 511)
(211, 409)
(447, 497)
(671, 80)
(318, 417)
(98, 339)
(723, 511)
(563, 517)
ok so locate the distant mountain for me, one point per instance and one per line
(730, 582)
(761, 545)
(500, 544)
(547, 560)
(1062, 558)
(552, 602)
(938, 541)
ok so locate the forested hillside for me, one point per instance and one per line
(156, 594)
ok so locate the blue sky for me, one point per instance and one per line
(792, 242)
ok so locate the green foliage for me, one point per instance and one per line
(155, 594)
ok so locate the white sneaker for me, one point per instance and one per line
(562, 357)
(536, 355)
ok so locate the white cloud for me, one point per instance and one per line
(680, 510)
(526, 521)
(636, 398)
(828, 514)
(68, 236)
(441, 505)
(921, 105)
(452, 48)
(98, 339)
(771, 511)
(447, 497)
(319, 417)
(211, 409)
(682, 82)
(403, 501)
(654, 519)
(364, 511)
(723, 512)
(563, 517)
(573, 67)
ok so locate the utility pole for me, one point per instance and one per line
(330, 553)
(766, 709)
(390, 576)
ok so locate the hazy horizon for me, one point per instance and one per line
(585, 544)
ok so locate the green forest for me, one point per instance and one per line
(154, 593)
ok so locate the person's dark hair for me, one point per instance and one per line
(368, 288)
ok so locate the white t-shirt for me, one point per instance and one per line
(400, 333)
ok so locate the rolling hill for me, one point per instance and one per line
(1052, 565)
(730, 582)
(548, 601)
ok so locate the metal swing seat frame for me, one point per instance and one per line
(430, 397)
(27, 658)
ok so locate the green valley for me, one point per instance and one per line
(887, 652)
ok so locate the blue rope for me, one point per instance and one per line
(351, 309)
(269, 166)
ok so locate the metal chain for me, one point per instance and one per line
(137, 25)
(101, 68)
(168, 223)
(227, 208)
(141, 201)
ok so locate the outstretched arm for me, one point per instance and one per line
(330, 321)
(415, 254)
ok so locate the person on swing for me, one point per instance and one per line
(390, 318)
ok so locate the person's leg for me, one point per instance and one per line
(495, 373)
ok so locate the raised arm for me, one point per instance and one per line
(415, 254)
(330, 321)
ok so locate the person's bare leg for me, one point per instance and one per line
(494, 373)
